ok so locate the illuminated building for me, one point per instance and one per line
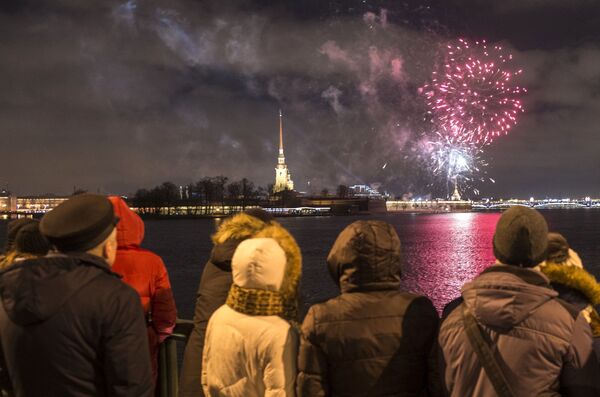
(8, 202)
(39, 204)
(283, 178)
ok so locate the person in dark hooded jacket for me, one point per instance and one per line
(69, 327)
(373, 340)
(214, 287)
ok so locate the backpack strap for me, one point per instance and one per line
(485, 355)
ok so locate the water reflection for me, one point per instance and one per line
(440, 252)
(445, 251)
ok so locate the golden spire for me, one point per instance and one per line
(280, 132)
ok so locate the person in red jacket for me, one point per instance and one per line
(146, 273)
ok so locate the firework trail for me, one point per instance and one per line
(473, 92)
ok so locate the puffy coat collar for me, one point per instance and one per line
(33, 290)
(503, 296)
(130, 229)
(366, 257)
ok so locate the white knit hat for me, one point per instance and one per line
(258, 263)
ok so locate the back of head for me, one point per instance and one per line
(13, 229)
(259, 263)
(265, 282)
(130, 229)
(30, 241)
(79, 224)
(242, 225)
(233, 230)
(560, 253)
(558, 248)
(521, 237)
(261, 214)
(366, 256)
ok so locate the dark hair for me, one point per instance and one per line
(29, 240)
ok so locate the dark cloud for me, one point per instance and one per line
(119, 95)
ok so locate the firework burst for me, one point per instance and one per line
(455, 158)
(473, 93)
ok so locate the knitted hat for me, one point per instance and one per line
(521, 237)
(29, 240)
(80, 223)
(12, 230)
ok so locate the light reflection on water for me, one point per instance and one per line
(440, 251)
(445, 251)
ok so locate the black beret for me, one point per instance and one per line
(521, 237)
(12, 230)
(80, 223)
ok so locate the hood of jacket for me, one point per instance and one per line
(575, 278)
(366, 256)
(33, 290)
(502, 296)
(229, 234)
(283, 302)
(130, 229)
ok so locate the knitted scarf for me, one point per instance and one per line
(259, 302)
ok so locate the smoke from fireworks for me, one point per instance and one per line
(474, 91)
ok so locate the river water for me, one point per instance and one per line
(440, 251)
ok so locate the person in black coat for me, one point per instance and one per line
(68, 325)
(373, 340)
(214, 286)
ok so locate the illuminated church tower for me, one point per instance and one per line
(283, 178)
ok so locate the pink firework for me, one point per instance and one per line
(474, 93)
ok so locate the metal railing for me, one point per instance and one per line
(168, 361)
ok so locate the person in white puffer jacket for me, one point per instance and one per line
(251, 345)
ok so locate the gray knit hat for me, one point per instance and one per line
(521, 237)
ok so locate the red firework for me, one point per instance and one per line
(473, 92)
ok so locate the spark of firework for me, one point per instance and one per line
(473, 91)
(454, 157)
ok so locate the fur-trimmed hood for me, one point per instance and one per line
(238, 227)
(260, 302)
(576, 286)
(574, 277)
(229, 234)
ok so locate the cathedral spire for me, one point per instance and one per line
(283, 178)
(280, 132)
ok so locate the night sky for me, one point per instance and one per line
(113, 96)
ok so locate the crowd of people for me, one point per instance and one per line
(84, 309)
